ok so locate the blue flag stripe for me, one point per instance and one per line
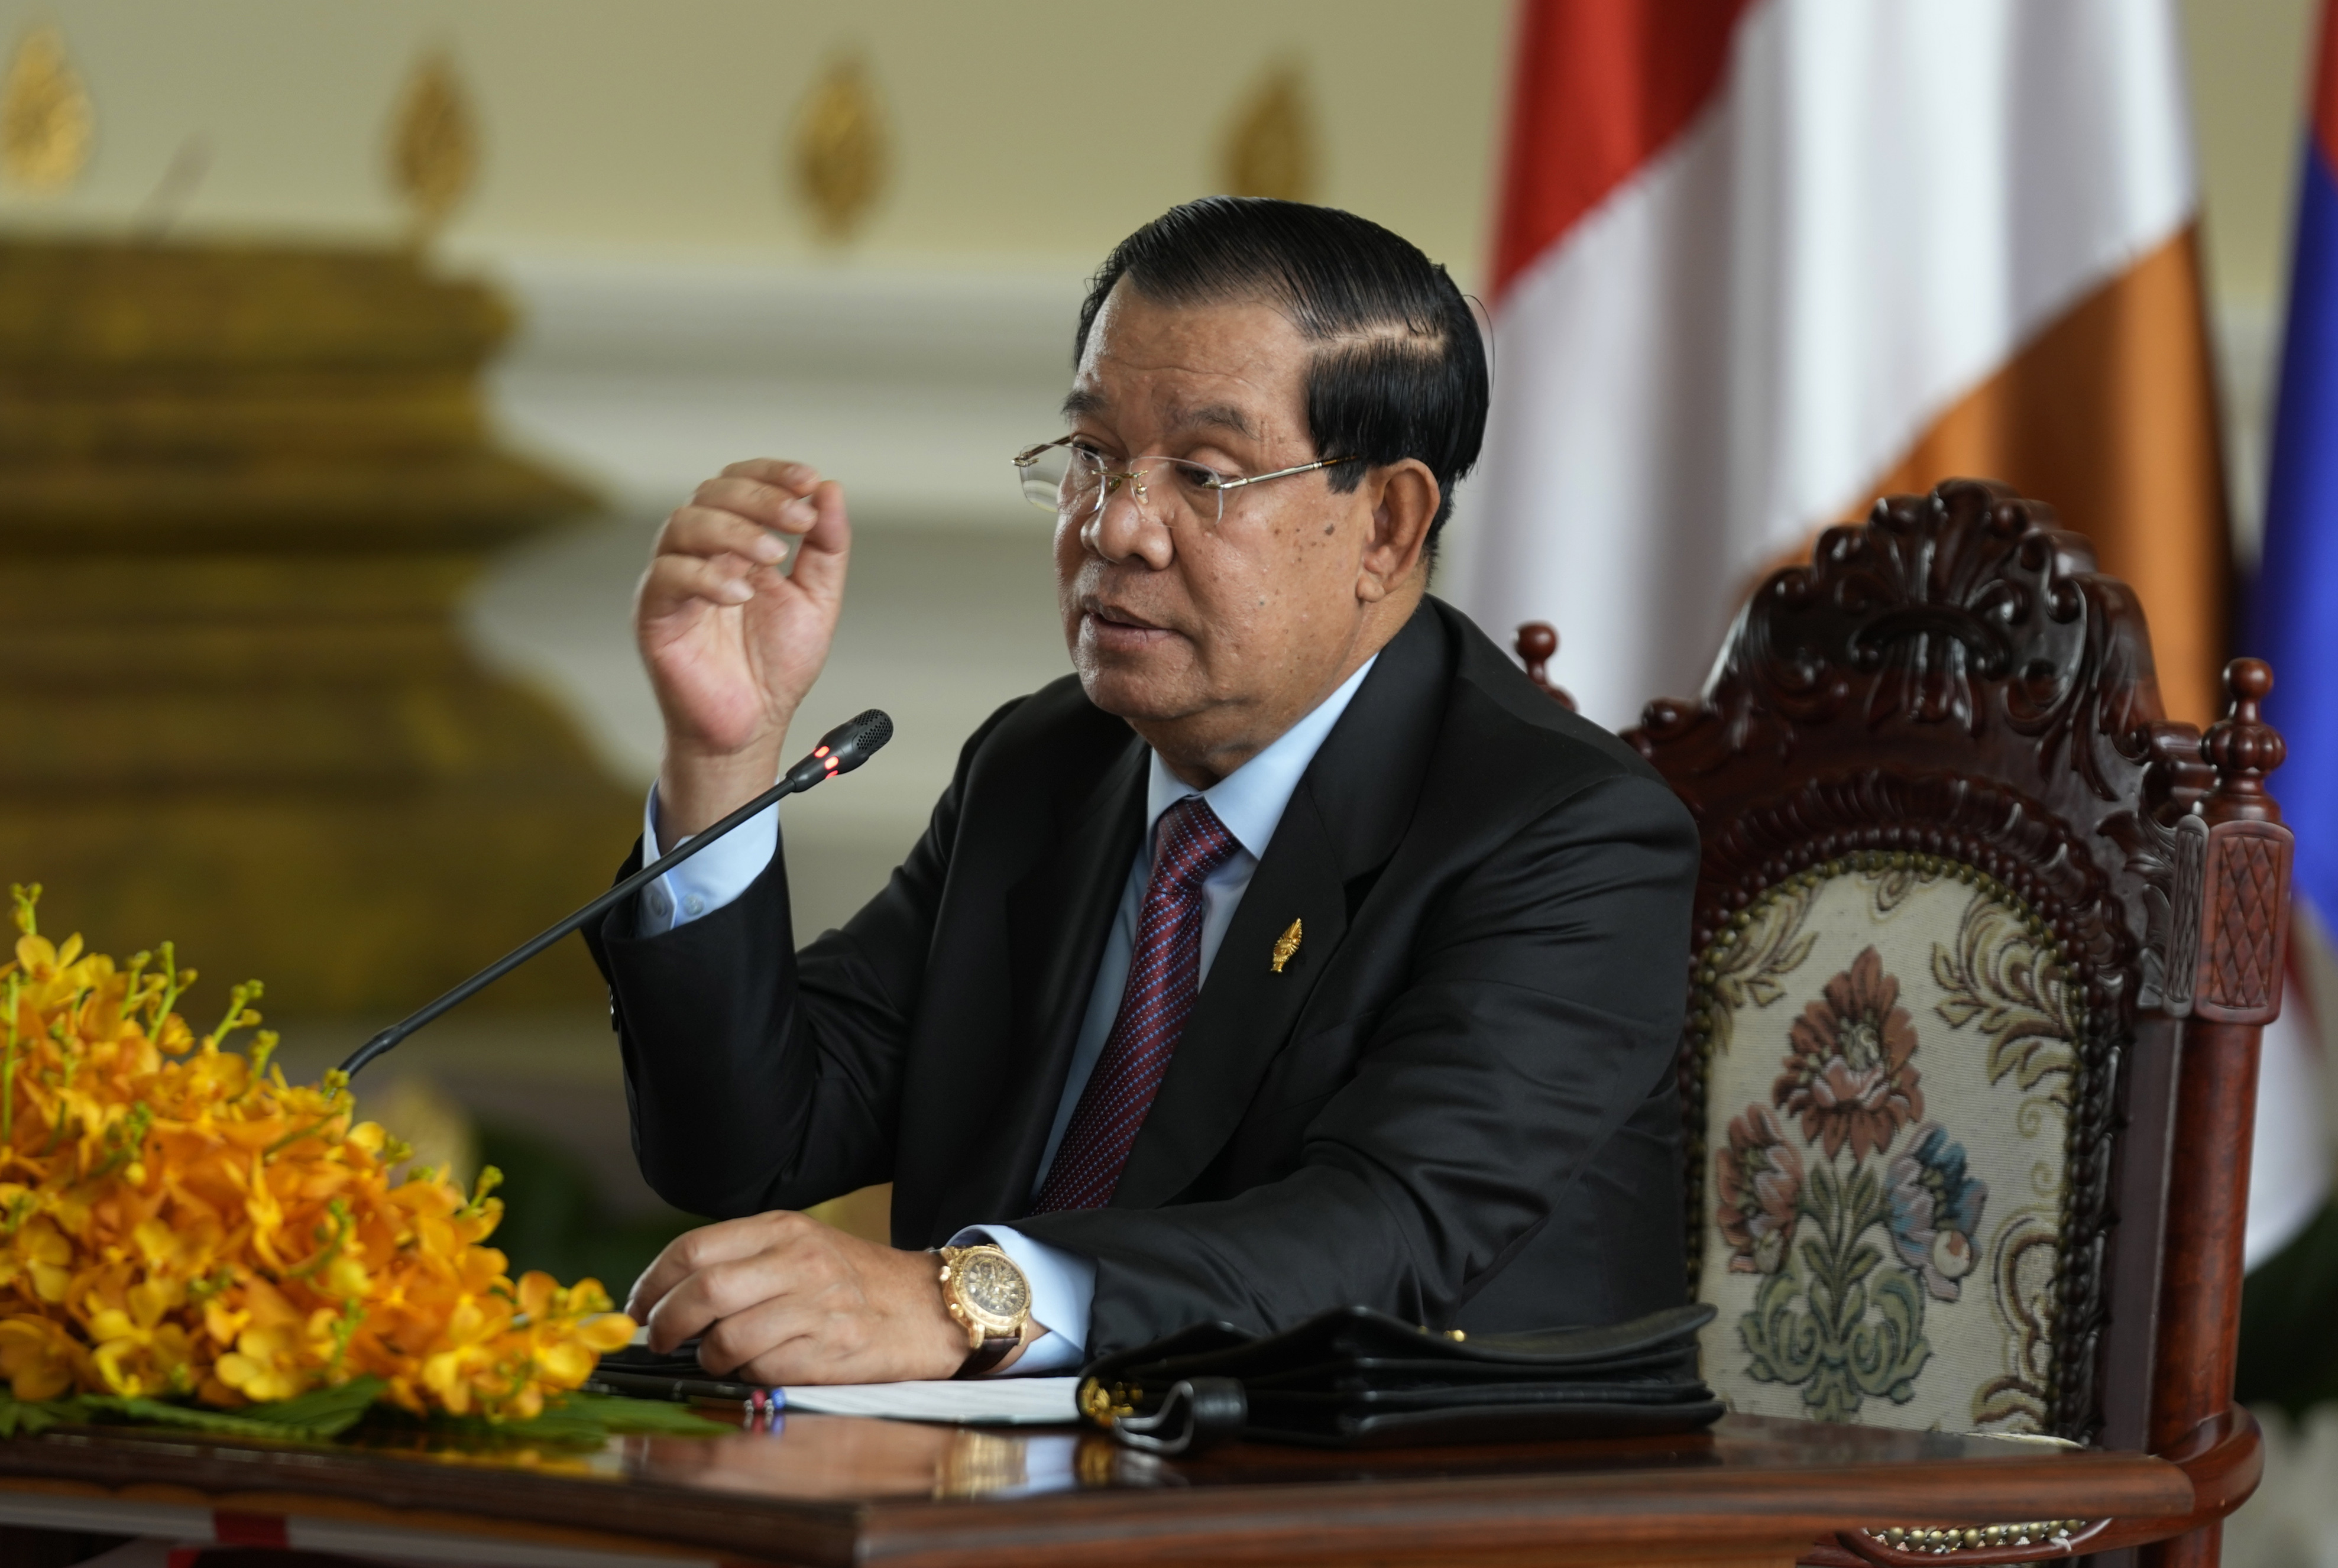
(2293, 617)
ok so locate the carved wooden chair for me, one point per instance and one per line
(1982, 945)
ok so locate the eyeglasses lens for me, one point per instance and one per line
(1196, 488)
(1062, 479)
(1072, 481)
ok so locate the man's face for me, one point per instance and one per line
(1208, 637)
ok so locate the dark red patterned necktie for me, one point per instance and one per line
(1163, 973)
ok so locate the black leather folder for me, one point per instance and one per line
(1356, 1378)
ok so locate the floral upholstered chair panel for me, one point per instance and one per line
(1890, 1054)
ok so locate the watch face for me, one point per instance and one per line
(992, 1285)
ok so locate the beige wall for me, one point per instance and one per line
(1033, 131)
(2249, 65)
(1024, 129)
(2250, 62)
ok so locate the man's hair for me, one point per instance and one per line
(1402, 369)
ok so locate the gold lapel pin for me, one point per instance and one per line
(1285, 945)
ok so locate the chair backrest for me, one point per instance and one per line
(1929, 1075)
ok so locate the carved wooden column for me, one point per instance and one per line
(2232, 869)
(241, 488)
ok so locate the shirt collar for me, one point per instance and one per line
(1250, 800)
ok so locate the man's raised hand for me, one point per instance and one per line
(732, 641)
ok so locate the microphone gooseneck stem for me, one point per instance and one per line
(842, 750)
(536, 944)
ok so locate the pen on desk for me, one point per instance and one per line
(751, 1397)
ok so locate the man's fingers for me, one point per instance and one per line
(717, 1269)
(673, 581)
(667, 1269)
(827, 546)
(805, 1306)
(782, 1341)
(726, 1241)
(710, 531)
(795, 479)
(714, 1294)
(772, 506)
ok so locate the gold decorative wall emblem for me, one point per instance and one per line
(434, 143)
(843, 153)
(46, 122)
(1272, 147)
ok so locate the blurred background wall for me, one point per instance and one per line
(851, 233)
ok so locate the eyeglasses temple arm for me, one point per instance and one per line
(1287, 473)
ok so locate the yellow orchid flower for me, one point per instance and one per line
(177, 1217)
(38, 1357)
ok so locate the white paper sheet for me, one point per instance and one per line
(1015, 1401)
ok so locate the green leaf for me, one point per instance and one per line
(255, 1421)
(316, 1416)
(31, 1417)
(618, 1413)
(330, 1411)
(1825, 1195)
(325, 1414)
(579, 1419)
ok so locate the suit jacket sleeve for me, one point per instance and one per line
(1542, 1011)
(764, 1078)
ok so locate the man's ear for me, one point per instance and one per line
(1404, 497)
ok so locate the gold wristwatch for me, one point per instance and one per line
(987, 1297)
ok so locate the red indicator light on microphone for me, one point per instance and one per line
(831, 764)
(819, 750)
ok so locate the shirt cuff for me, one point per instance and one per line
(1062, 1284)
(709, 879)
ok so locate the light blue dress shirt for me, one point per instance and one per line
(1249, 801)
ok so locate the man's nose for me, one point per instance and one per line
(1124, 525)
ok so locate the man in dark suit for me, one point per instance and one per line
(1296, 952)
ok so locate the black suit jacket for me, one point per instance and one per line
(1455, 1104)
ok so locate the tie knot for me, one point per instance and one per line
(1190, 843)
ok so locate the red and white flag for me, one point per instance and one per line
(1761, 261)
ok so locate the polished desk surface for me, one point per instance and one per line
(822, 1489)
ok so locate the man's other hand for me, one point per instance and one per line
(730, 642)
(780, 1297)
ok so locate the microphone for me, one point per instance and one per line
(841, 750)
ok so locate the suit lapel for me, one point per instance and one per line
(1344, 821)
(1057, 920)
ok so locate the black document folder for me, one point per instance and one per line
(1354, 1378)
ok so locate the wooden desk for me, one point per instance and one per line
(843, 1490)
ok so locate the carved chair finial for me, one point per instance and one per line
(2230, 927)
(2243, 748)
(1538, 645)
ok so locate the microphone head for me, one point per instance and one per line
(857, 739)
(843, 749)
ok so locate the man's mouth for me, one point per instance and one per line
(1116, 615)
(1116, 627)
